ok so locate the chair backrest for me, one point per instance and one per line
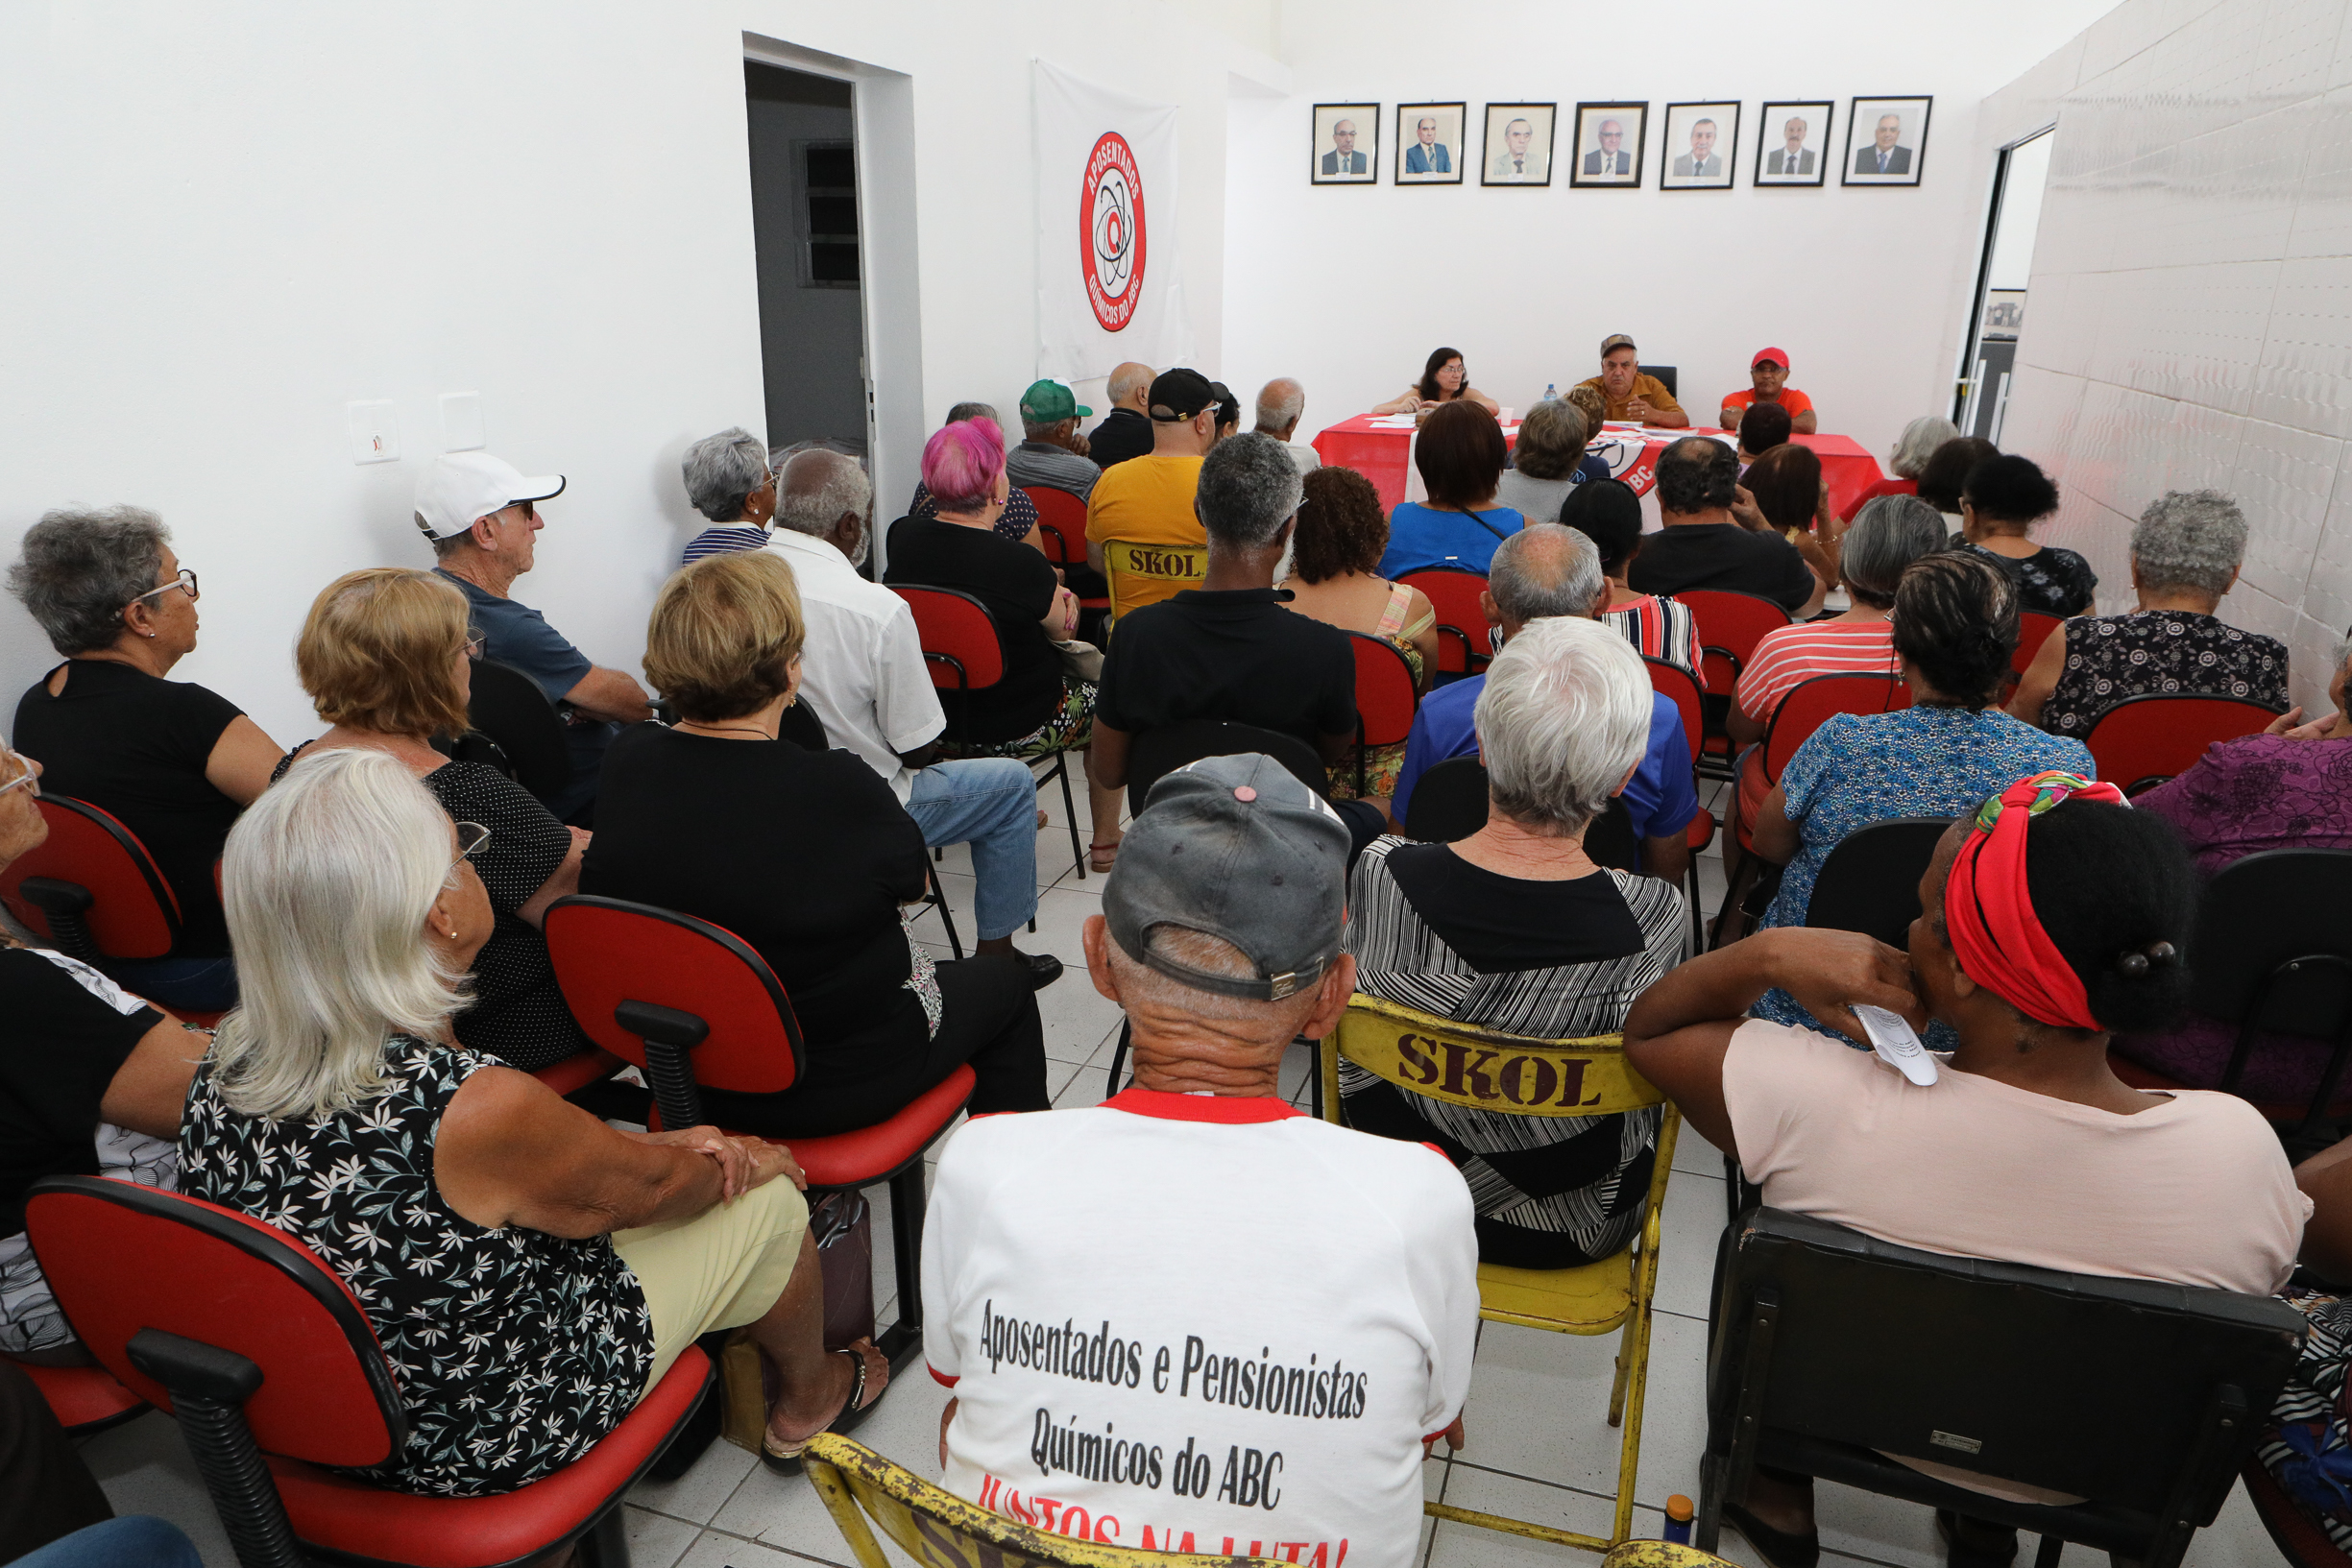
(1385, 696)
(1666, 375)
(2274, 938)
(2033, 628)
(1814, 699)
(1485, 1069)
(509, 707)
(1730, 625)
(1141, 575)
(1062, 525)
(1827, 1335)
(939, 1529)
(800, 725)
(1465, 639)
(1156, 753)
(132, 913)
(2156, 737)
(1884, 487)
(1870, 882)
(123, 1258)
(1683, 687)
(611, 955)
(961, 645)
(1450, 801)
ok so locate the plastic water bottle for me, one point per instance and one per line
(1551, 392)
(1678, 1510)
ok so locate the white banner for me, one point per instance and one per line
(1110, 288)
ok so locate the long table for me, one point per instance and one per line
(1383, 454)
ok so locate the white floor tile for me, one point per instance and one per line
(145, 1468)
(785, 1510)
(655, 1540)
(714, 1550)
(1686, 1242)
(1539, 1404)
(696, 1496)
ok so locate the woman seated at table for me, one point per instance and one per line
(387, 658)
(1916, 446)
(588, 1256)
(2054, 915)
(1955, 624)
(1608, 513)
(1444, 380)
(1516, 930)
(90, 1084)
(1460, 457)
(2000, 502)
(2186, 551)
(807, 857)
(172, 762)
(1037, 708)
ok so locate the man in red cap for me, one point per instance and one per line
(1769, 371)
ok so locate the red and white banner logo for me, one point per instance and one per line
(1111, 231)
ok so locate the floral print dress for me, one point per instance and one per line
(2159, 653)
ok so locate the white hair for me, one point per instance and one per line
(1564, 717)
(326, 882)
(1918, 443)
(840, 487)
(1280, 402)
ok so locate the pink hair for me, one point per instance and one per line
(960, 463)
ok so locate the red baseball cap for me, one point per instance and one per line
(1779, 356)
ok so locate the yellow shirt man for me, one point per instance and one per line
(1648, 387)
(1630, 393)
(1145, 504)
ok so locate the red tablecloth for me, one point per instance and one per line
(1380, 455)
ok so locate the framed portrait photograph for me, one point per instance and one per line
(1347, 147)
(1429, 150)
(1519, 144)
(1698, 147)
(1793, 142)
(1609, 145)
(2004, 314)
(1886, 141)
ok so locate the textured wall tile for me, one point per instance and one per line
(2304, 378)
(2285, 480)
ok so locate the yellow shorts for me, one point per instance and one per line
(721, 1269)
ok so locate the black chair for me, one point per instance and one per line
(1870, 882)
(1162, 751)
(1832, 1350)
(1450, 801)
(1666, 375)
(508, 707)
(800, 725)
(2273, 953)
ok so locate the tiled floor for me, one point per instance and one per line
(1539, 1447)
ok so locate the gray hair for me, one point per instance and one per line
(961, 412)
(1280, 402)
(816, 486)
(1249, 489)
(1043, 429)
(328, 881)
(1564, 717)
(723, 470)
(1544, 570)
(2189, 538)
(1889, 533)
(1121, 388)
(1551, 440)
(1918, 443)
(81, 568)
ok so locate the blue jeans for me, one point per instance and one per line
(989, 803)
(196, 985)
(135, 1541)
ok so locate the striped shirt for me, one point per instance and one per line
(723, 540)
(1660, 629)
(1788, 654)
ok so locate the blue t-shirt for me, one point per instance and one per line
(1660, 798)
(518, 637)
(1423, 536)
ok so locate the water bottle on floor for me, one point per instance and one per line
(1678, 1510)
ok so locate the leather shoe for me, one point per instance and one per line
(1044, 969)
(1775, 1546)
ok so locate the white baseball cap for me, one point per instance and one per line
(460, 487)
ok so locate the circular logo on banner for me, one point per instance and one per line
(1111, 236)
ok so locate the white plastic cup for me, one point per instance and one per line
(1510, 416)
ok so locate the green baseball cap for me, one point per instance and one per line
(1046, 401)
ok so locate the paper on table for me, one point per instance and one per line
(1394, 422)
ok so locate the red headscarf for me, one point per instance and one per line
(1989, 912)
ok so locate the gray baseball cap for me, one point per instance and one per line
(1238, 848)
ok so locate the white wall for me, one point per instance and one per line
(225, 222)
(2186, 323)
(1348, 288)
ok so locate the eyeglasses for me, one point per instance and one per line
(470, 837)
(26, 779)
(530, 509)
(476, 639)
(186, 580)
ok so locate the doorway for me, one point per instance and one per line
(807, 229)
(1998, 311)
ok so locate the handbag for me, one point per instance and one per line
(1082, 659)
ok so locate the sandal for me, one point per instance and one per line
(1101, 857)
(785, 1458)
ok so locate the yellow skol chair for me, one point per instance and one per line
(1141, 575)
(939, 1529)
(1661, 1555)
(1461, 1065)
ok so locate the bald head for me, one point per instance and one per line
(1544, 571)
(823, 494)
(1280, 402)
(1131, 387)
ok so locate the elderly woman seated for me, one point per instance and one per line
(589, 1257)
(2186, 551)
(1548, 461)
(1515, 928)
(173, 763)
(1458, 456)
(728, 480)
(90, 1084)
(2054, 915)
(1917, 445)
(1018, 520)
(808, 858)
(2000, 502)
(387, 657)
(1955, 624)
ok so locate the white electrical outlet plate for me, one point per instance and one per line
(375, 434)
(461, 421)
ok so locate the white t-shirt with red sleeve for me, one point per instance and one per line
(1198, 1323)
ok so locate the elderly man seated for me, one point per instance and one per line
(1282, 403)
(1268, 1365)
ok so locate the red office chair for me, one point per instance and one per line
(2148, 739)
(267, 1362)
(966, 649)
(2033, 628)
(1466, 643)
(1730, 625)
(1061, 524)
(1386, 699)
(1885, 486)
(1672, 680)
(91, 888)
(85, 1399)
(698, 1009)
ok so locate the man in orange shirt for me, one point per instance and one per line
(1148, 501)
(1769, 371)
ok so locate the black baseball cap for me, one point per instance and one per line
(1180, 394)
